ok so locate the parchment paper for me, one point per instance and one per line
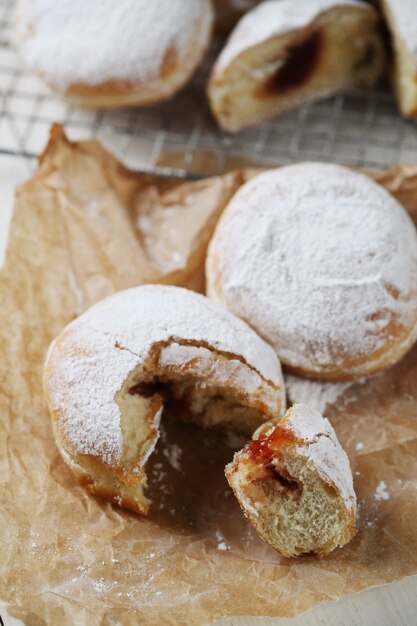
(82, 228)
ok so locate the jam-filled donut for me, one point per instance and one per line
(100, 53)
(322, 262)
(285, 53)
(294, 483)
(401, 18)
(111, 372)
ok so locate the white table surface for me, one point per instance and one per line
(391, 605)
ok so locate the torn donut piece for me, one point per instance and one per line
(294, 483)
(283, 54)
(401, 19)
(112, 372)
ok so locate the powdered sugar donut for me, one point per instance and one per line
(110, 54)
(111, 372)
(294, 483)
(322, 263)
(285, 53)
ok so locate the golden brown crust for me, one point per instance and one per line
(398, 343)
(366, 365)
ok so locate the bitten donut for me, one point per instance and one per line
(401, 17)
(110, 374)
(285, 53)
(108, 54)
(294, 483)
(322, 262)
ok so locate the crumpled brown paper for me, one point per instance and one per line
(82, 228)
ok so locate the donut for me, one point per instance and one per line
(111, 373)
(401, 19)
(322, 262)
(109, 54)
(283, 54)
(294, 483)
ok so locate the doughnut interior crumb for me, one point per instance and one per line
(339, 48)
(290, 504)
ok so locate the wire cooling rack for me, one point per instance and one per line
(179, 137)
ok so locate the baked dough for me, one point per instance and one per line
(401, 18)
(111, 372)
(322, 262)
(285, 53)
(100, 53)
(294, 483)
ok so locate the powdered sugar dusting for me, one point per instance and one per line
(221, 542)
(201, 358)
(173, 453)
(326, 264)
(381, 492)
(317, 394)
(89, 362)
(322, 448)
(274, 18)
(74, 41)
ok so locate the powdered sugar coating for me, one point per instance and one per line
(176, 354)
(275, 18)
(89, 362)
(403, 14)
(94, 41)
(317, 394)
(322, 448)
(321, 261)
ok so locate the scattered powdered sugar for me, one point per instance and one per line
(74, 41)
(381, 492)
(173, 453)
(359, 446)
(325, 266)
(221, 543)
(322, 448)
(101, 586)
(272, 19)
(315, 393)
(89, 362)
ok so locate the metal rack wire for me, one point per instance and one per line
(179, 137)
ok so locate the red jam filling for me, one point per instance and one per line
(300, 64)
(264, 449)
